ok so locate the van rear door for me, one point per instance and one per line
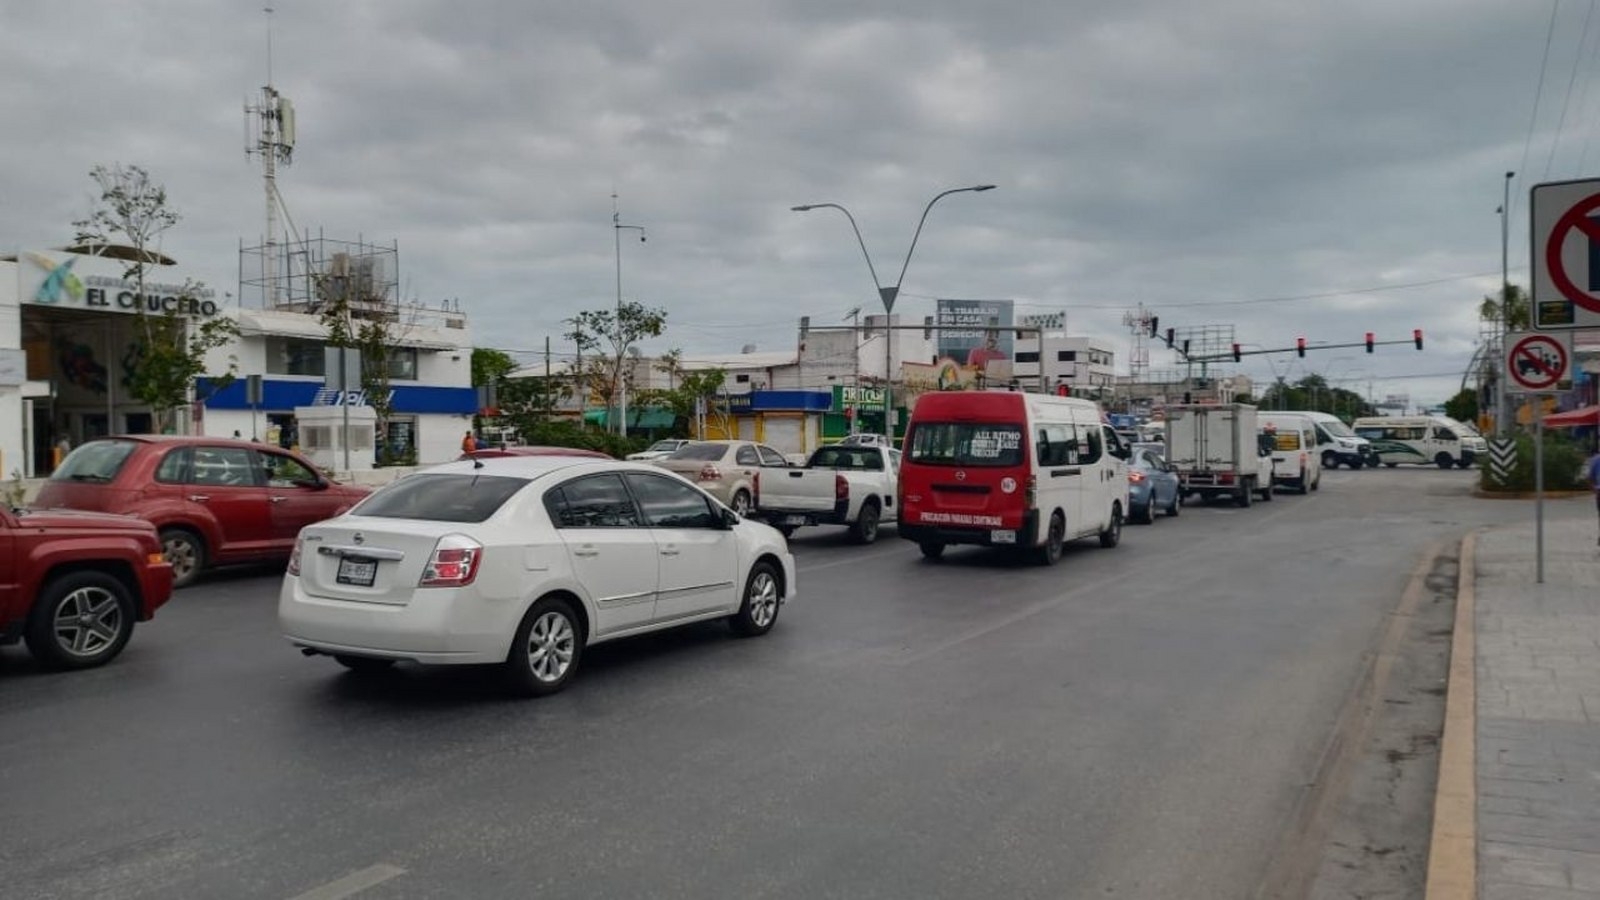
(966, 475)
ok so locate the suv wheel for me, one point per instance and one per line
(81, 620)
(186, 552)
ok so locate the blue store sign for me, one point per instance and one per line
(279, 394)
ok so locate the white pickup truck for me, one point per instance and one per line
(838, 485)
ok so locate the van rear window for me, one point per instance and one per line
(965, 444)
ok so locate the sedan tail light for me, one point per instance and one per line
(294, 558)
(454, 562)
(709, 472)
(1135, 477)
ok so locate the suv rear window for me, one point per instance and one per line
(965, 444)
(702, 452)
(441, 498)
(96, 461)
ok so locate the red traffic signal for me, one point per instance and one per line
(1300, 347)
(1416, 336)
(1063, 390)
(1370, 341)
(1236, 354)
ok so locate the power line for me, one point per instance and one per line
(1572, 79)
(1538, 93)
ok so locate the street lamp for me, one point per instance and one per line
(622, 380)
(889, 294)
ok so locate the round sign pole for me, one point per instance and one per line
(1538, 487)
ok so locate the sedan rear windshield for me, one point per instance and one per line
(966, 444)
(97, 462)
(700, 452)
(442, 498)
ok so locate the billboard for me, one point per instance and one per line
(963, 331)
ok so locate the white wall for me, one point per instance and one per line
(439, 437)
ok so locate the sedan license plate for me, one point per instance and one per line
(1003, 536)
(794, 520)
(359, 572)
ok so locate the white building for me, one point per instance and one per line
(1081, 363)
(69, 346)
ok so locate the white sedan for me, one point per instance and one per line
(523, 562)
(659, 450)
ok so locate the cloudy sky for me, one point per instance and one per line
(1317, 169)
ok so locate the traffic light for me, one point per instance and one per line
(1370, 342)
(1063, 389)
(1236, 354)
(1416, 337)
(1300, 346)
(1185, 346)
(1155, 325)
(1172, 334)
(1188, 397)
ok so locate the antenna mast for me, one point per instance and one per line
(271, 137)
(1138, 323)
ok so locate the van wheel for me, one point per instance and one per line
(1246, 492)
(1113, 533)
(1443, 460)
(932, 551)
(1266, 492)
(1304, 484)
(1463, 463)
(865, 528)
(786, 530)
(1316, 485)
(1055, 539)
(1391, 465)
(1329, 460)
(1356, 464)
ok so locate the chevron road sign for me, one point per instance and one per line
(1502, 459)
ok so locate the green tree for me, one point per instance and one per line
(169, 349)
(360, 316)
(1511, 309)
(491, 366)
(1463, 407)
(604, 337)
(688, 389)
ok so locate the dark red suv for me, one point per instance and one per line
(215, 501)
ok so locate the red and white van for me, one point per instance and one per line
(1010, 469)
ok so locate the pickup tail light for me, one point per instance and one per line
(841, 488)
(294, 558)
(454, 562)
(1135, 476)
(709, 472)
(755, 487)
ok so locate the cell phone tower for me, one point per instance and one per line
(1138, 323)
(270, 134)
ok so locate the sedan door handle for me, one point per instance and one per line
(586, 553)
(199, 498)
(277, 499)
(669, 553)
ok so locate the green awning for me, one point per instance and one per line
(637, 418)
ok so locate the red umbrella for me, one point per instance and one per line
(1583, 415)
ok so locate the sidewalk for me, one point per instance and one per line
(1538, 710)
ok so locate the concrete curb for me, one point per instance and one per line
(1453, 852)
(1482, 494)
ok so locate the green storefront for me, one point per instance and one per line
(860, 407)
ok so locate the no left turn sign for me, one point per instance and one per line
(1536, 363)
(1565, 231)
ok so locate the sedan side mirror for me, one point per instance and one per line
(729, 519)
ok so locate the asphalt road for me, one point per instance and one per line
(1135, 722)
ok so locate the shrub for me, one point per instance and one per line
(583, 437)
(1563, 466)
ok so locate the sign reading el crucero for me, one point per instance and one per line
(1565, 232)
(75, 281)
(1536, 363)
(844, 397)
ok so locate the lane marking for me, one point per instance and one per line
(1453, 852)
(353, 884)
(1299, 855)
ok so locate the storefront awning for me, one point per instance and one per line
(637, 418)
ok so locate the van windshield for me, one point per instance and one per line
(1336, 428)
(966, 444)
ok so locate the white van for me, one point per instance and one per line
(1340, 445)
(1008, 469)
(1296, 462)
(1422, 440)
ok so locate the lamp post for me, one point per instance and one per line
(1500, 412)
(622, 380)
(889, 294)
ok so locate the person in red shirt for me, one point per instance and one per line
(980, 357)
(469, 442)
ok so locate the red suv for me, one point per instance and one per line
(73, 583)
(215, 501)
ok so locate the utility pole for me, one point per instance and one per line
(548, 384)
(1501, 411)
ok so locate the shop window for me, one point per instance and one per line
(1066, 356)
(295, 356)
(741, 379)
(1027, 356)
(402, 362)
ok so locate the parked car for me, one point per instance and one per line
(1008, 469)
(501, 452)
(1152, 485)
(729, 470)
(215, 501)
(524, 563)
(851, 485)
(75, 582)
(659, 450)
(865, 440)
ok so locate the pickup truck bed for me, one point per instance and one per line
(850, 486)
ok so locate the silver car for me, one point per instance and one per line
(728, 470)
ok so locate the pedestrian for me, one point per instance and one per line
(469, 443)
(237, 436)
(62, 448)
(1592, 473)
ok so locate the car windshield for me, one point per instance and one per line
(665, 446)
(96, 461)
(700, 452)
(1336, 428)
(441, 498)
(966, 444)
(848, 458)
